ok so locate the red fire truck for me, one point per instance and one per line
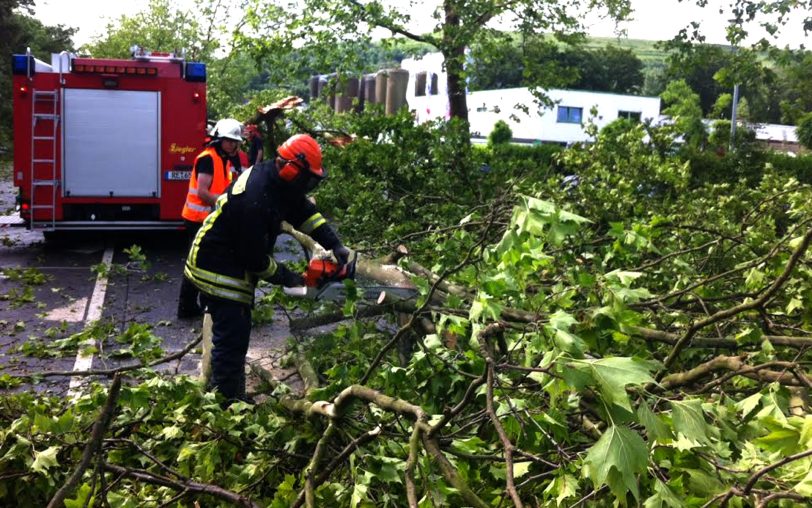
(104, 143)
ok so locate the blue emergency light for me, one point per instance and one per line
(20, 64)
(196, 72)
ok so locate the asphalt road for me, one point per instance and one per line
(49, 292)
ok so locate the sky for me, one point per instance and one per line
(653, 19)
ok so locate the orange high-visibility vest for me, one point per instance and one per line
(195, 209)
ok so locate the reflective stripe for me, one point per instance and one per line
(213, 290)
(268, 272)
(221, 280)
(312, 223)
(215, 284)
(198, 208)
(207, 224)
(220, 181)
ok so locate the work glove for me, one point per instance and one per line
(284, 277)
(342, 254)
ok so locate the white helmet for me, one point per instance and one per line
(227, 128)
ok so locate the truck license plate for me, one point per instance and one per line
(178, 175)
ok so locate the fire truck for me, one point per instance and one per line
(106, 143)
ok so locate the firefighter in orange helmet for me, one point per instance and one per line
(213, 171)
(234, 249)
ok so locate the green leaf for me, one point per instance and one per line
(561, 320)
(785, 441)
(613, 374)
(746, 406)
(656, 429)
(663, 497)
(615, 459)
(806, 432)
(804, 487)
(689, 420)
(569, 343)
(623, 277)
(520, 468)
(81, 500)
(563, 488)
(470, 445)
(172, 432)
(359, 495)
(45, 459)
(748, 336)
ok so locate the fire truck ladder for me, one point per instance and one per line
(45, 108)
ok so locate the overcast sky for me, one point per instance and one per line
(653, 19)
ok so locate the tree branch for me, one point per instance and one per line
(93, 444)
(716, 342)
(188, 486)
(736, 365)
(724, 314)
(126, 368)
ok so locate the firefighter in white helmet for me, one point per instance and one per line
(212, 172)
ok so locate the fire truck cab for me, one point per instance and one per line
(106, 143)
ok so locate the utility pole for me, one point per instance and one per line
(735, 107)
(733, 117)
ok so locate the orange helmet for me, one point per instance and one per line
(300, 152)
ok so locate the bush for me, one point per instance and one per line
(501, 134)
(804, 130)
(709, 167)
(799, 167)
(719, 138)
(519, 160)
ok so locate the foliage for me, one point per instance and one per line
(804, 130)
(500, 134)
(684, 109)
(162, 27)
(200, 33)
(795, 71)
(562, 328)
(20, 31)
(541, 61)
(638, 336)
(328, 26)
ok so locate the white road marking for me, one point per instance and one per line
(84, 360)
(72, 313)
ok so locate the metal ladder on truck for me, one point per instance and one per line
(44, 110)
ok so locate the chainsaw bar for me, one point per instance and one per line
(336, 291)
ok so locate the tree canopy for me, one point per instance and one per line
(21, 31)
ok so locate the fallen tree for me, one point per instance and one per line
(652, 350)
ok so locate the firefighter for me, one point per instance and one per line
(213, 171)
(234, 249)
(255, 149)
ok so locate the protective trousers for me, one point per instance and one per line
(231, 330)
(188, 305)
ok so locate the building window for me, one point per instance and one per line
(629, 115)
(434, 86)
(569, 114)
(420, 84)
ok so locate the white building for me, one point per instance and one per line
(531, 122)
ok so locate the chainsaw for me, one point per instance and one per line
(324, 280)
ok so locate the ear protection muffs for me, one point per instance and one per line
(291, 169)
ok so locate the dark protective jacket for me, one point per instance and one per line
(234, 247)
